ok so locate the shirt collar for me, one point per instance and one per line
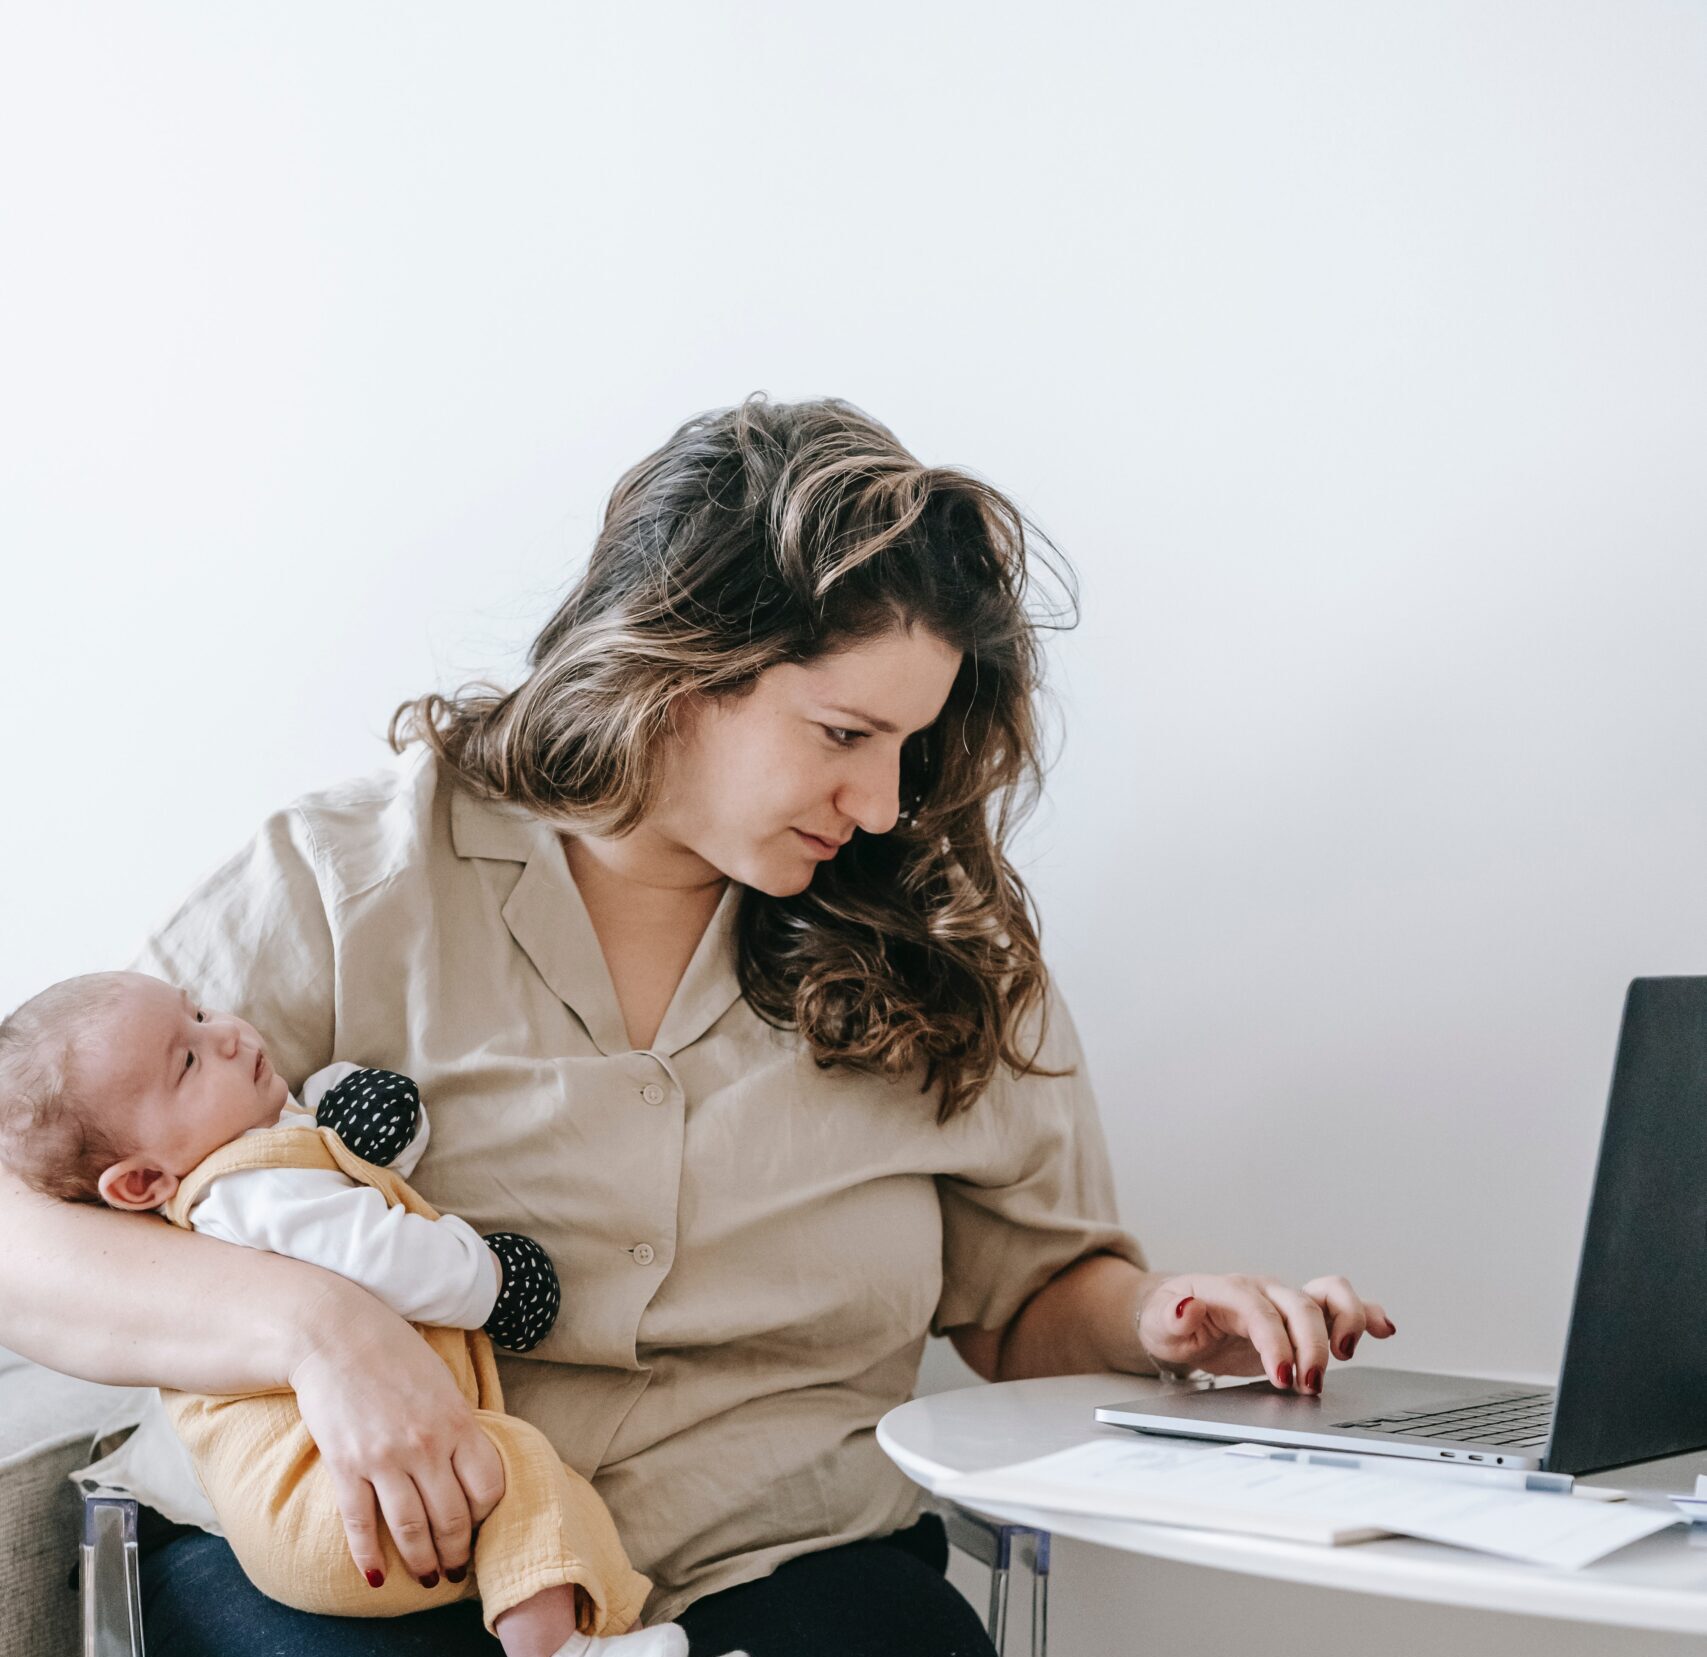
(550, 923)
(493, 828)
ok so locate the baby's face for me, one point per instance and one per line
(186, 1080)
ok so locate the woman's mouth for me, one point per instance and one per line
(819, 846)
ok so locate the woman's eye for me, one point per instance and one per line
(842, 738)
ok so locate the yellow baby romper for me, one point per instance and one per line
(274, 1498)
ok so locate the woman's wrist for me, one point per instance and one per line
(1083, 1321)
(1148, 1363)
(1129, 1354)
(332, 1319)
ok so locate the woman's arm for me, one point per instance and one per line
(158, 1306)
(141, 1291)
(1081, 1322)
(1103, 1313)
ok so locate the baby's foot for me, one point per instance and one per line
(666, 1640)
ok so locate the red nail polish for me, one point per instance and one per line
(1179, 1310)
(430, 1580)
(376, 1579)
(1283, 1376)
(1313, 1381)
(455, 1573)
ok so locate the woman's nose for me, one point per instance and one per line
(872, 797)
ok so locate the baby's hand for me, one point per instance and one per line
(530, 1297)
(374, 1112)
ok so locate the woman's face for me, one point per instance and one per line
(765, 787)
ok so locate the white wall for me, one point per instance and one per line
(1353, 353)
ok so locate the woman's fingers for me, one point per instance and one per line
(479, 1470)
(1308, 1332)
(1349, 1316)
(450, 1525)
(1192, 1317)
(431, 1515)
(1172, 1323)
(397, 1436)
(1244, 1302)
(1346, 1315)
(405, 1517)
(1238, 1325)
(360, 1513)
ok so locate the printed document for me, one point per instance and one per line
(1127, 1478)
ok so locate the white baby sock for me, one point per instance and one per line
(666, 1640)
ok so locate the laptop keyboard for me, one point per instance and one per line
(1519, 1421)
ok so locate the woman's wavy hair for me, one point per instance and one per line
(782, 532)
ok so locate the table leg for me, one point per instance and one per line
(1040, 1594)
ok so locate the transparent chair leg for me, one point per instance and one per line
(995, 1546)
(111, 1578)
(997, 1622)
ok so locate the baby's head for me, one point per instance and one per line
(113, 1086)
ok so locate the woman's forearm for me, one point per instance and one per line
(1082, 1322)
(132, 1301)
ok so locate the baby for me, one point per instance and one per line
(118, 1088)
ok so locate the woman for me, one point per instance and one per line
(703, 946)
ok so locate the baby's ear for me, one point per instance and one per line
(134, 1184)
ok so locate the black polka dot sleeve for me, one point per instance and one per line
(373, 1112)
(528, 1302)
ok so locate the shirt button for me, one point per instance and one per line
(652, 1094)
(643, 1255)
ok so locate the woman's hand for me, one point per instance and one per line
(399, 1440)
(1257, 1326)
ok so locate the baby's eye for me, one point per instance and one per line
(200, 1015)
(189, 1059)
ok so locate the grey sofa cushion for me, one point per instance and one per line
(46, 1423)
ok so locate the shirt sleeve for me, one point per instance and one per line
(1035, 1193)
(253, 939)
(428, 1271)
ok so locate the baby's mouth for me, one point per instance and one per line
(260, 1063)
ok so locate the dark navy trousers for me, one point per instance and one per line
(883, 1598)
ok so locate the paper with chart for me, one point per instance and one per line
(1126, 1478)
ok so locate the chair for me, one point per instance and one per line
(47, 1423)
(110, 1574)
(998, 1546)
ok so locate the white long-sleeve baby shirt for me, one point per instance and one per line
(428, 1271)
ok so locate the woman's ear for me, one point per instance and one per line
(134, 1184)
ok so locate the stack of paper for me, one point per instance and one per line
(1126, 1478)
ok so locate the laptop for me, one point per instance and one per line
(1633, 1386)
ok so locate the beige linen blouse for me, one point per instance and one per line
(752, 1248)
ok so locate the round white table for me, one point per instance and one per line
(1659, 1583)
